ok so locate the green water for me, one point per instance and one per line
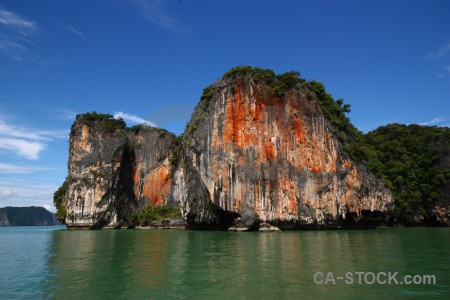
(54, 263)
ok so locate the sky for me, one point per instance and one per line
(148, 61)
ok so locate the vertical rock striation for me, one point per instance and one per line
(276, 156)
(114, 171)
(250, 154)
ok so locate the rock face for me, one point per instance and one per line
(115, 172)
(274, 157)
(248, 156)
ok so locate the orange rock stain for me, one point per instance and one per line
(155, 185)
(270, 151)
(84, 137)
(234, 122)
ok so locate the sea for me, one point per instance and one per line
(385, 263)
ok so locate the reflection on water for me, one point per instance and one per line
(129, 264)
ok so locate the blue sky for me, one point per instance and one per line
(148, 61)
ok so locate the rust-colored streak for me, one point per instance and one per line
(270, 151)
(155, 185)
(297, 127)
(287, 187)
(84, 137)
(234, 120)
(215, 140)
(238, 205)
(287, 133)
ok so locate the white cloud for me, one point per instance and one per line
(16, 22)
(27, 149)
(155, 12)
(19, 193)
(26, 142)
(437, 121)
(16, 132)
(20, 169)
(4, 194)
(132, 119)
(48, 207)
(14, 35)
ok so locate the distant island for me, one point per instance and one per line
(26, 216)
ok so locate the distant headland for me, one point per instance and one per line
(26, 216)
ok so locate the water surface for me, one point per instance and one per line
(54, 263)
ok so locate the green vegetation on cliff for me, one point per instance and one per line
(58, 199)
(413, 160)
(147, 128)
(150, 213)
(280, 83)
(334, 111)
(106, 121)
(156, 213)
(259, 75)
(208, 92)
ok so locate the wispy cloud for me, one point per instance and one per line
(21, 169)
(439, 53)
(439, 121)
(13, 47)
(26, 142)
(132, 119)
(66, 114)
(15, 22)
(75, 31)
(20, 193)
(155, 11)
(441, 58)
(14, 35)
(27, 149)
(29, 133)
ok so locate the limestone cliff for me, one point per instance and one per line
(253, 153)
(276, 156)
(114, 171)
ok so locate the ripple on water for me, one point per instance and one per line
(124, 264)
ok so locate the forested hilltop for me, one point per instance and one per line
(26, 216)
(414, 161)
